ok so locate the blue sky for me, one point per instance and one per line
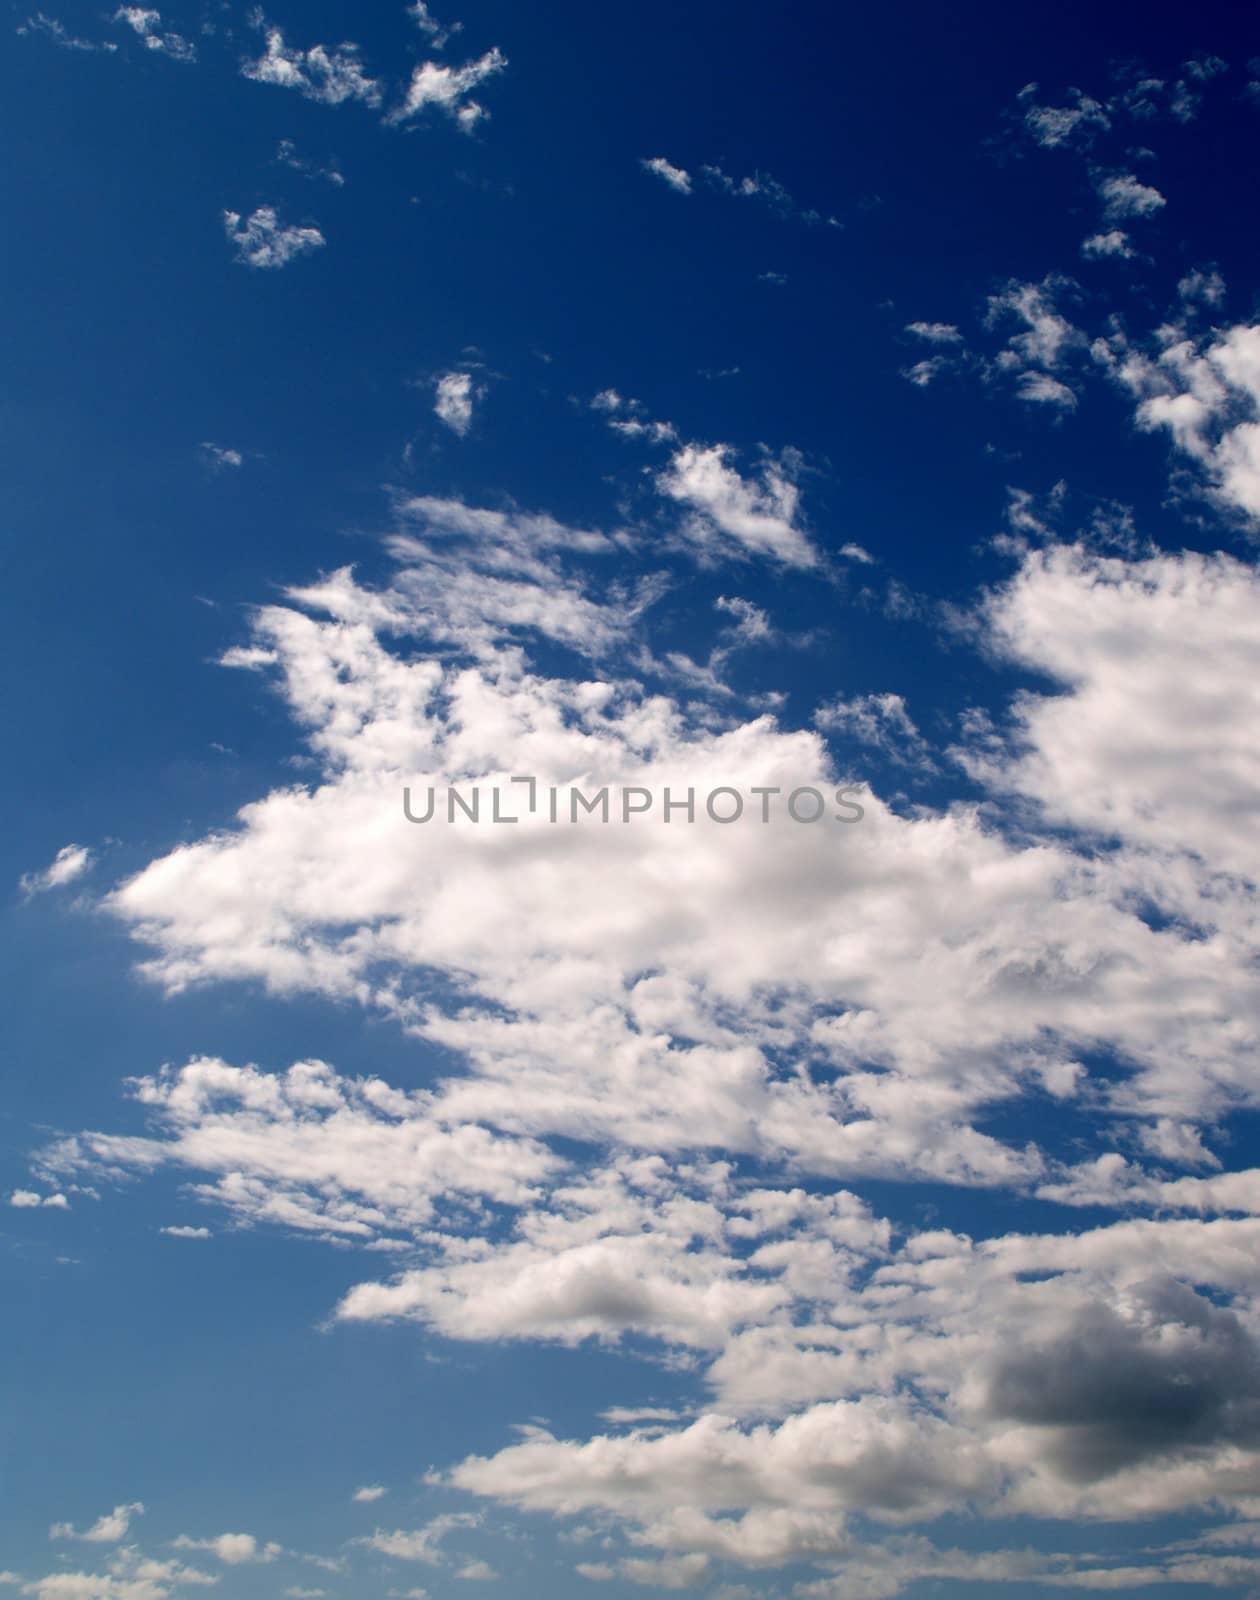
(687, 399)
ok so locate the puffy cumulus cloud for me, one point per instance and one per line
(449, 89)
(130, 1575)
(871, 1455)
(233, 1549)
(756, 515)
(107, 1529)
(1205, 392)
(331, 76)
(669, 1047)
(261, 240)
(676, 177)
(70, 863)
(28, 1200)
(1151, 742)
(148, 25)
(369, 1493)
(344, 1159)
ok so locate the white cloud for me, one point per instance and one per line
(456, 394)
(1113, 244)
(233, 1549)
(1041, 389)
(148, 24)
(1206, 393)
(57, 31)
(287, 155)
(69, 864)
(369, 1493)
(218, 456)
(676, 177)
(635, 1016)
(420, 1544)
(935, 332)
(424, 19)
(1124, 196)
(107, 1529)
(1048, 337)
(1202, 285)
(1056, 126)
(182, 1231)
(262, 242)
(759, 517)
(881, 721)
(331, 76)
(449, 89)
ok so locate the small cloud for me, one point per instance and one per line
(107, 1529)
(27, 1199)
(428, 24)
(777, 278)
(477, 1571)
(148, 24)
(678, 178)
(1039, 388)
(60, 35)
(219, 456)
(456, 394)
(287, 156)
(1206, 287)
(233, 1549)
(183, 1232)
(261, 242)
(1114, 243)
(935, 332)
(449, 89)
(1123, 196)
(329, 76)
(369, 1493)
(70, 862)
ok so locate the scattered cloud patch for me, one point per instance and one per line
(1124, 196)
(262, 242)
(1114, 244)
(676, 177)
(69, 864)
(28, 1199)
(52, 28)
(107, 1529)
(757, 515)
(148, 25)
(449, 89)
(218, 457)
(330, 76)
